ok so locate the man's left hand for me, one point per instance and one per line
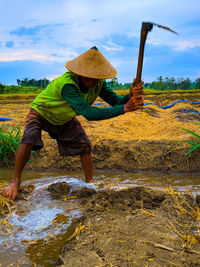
(136, 89)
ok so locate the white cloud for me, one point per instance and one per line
(182, 45)
(21, 57)
(112, 47)
(186, 45)
(85, 22)
(38, 56)
(75, 26)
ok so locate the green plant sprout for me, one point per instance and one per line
(194, 143)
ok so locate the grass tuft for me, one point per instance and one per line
(9, 142)
(195, 142)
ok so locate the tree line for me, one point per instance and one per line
(160, 84)
(42, 83)
(173, 84)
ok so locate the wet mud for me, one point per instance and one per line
(135, 227)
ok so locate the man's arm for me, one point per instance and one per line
(110, 97)
(71, 94)
(133, 101)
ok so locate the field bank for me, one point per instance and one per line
(142, 140)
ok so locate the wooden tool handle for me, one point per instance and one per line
(143, 37)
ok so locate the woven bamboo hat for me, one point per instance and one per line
(92, 64)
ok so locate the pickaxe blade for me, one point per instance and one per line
(163, 27)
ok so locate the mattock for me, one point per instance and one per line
(146, 27)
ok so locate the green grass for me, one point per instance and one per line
(148, 91)
(195, 143)
(9, 141)
(177, 91)
(19, 92)
(17, 96)
(14, 89)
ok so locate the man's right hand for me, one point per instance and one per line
(134, 103)
(11, 191)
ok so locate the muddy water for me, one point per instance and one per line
(42, 225)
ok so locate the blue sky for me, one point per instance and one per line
(38, 37)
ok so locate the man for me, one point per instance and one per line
(54, 111)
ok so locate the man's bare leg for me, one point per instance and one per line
(87, 165)
(22, 157)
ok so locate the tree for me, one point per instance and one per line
(33, 83)
(184, 84)
(46, 82)
(159, 84)
(147, 85)
(18, 82)
(197, 83)
(24, 82)
(114, 82)
(127, 85)
(170, 83)
(2, 88)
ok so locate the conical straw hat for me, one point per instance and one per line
(92, 64)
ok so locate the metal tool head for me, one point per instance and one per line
(147, 26)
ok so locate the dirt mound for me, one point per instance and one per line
(132, 198)
(58, 189)
(135, 227)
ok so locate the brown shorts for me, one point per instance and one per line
(71, 137)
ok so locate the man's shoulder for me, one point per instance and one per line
(67, 78)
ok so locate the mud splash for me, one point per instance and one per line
(35, 227)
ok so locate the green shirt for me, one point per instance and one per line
(76, 101)
(65, 97)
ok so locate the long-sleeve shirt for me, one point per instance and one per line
(71, 94)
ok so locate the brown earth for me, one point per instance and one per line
(136, 226)
(141, 140)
